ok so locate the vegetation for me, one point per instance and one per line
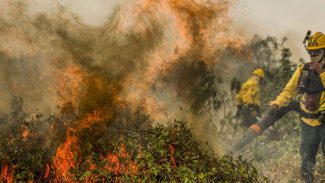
(154, 154)
(165, 154)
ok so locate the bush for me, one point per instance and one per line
(162, 154)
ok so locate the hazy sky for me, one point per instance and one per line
(290, 18)
(93, 12)
(280, 16)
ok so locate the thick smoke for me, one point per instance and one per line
(163, 58)
(141, 42)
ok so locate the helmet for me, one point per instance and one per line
(259, 72)
(316, 46)
(316, 41)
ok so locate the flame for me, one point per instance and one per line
(69, 84)
(47, 172)
(25, 134)
(90, 118)
(7, 173)
(115, 165)
(64, 157)
(199, 29)
(194, 29)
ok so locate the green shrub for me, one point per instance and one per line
(164, 154)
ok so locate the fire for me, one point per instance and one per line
(90, 118)
(69, 85)
(25, 134)
(197, 29)
(64, 158)
(116, 166)
(7, 173)
(47, 172)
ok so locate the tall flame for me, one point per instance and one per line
(65, 158)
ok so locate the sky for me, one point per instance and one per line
(94, 12)
(278, 16)
(290, 18)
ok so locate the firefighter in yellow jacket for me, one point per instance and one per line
(308, 81)
(248, 99)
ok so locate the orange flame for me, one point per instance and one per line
(7, 173)
(64, 158)
(115, 165)
(200, 30)
(47, 172)
(25, 134)
(69, 82)
(90, 118)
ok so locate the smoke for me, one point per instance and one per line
(133, 48)
(166, 59)
(24, 71)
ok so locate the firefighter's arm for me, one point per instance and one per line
(290, 91)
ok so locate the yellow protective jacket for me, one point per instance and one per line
(249, 92)
(290, 92)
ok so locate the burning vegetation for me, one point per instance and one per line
(81, 103)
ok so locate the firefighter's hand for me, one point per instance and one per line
(317, 66)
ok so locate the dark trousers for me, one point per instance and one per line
(311, 138)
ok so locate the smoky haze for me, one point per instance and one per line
(147, 55)
(94, 12)
(278, 18)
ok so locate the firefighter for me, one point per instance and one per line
(248, 99)
(309, 81)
